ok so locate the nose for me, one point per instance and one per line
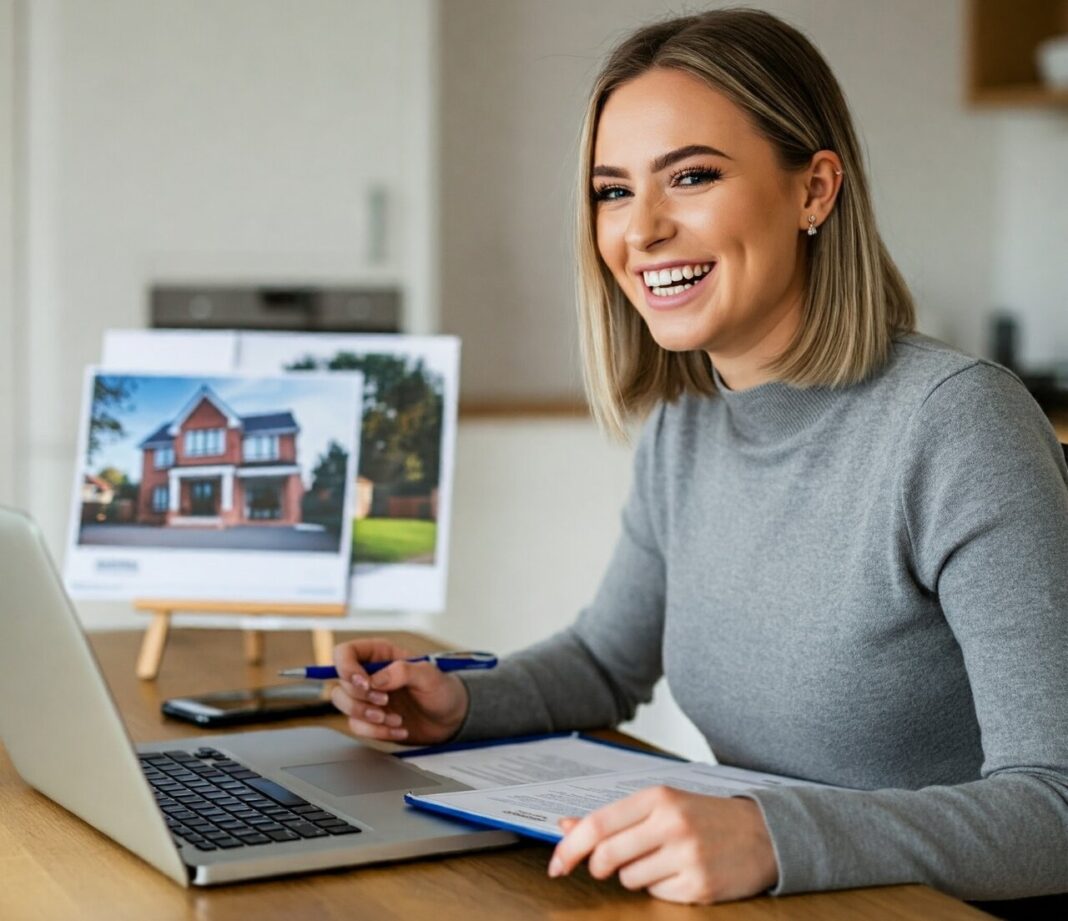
(649, 222)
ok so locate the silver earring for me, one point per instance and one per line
(812, 231)
(838, 172)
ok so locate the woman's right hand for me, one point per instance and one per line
(410, 702)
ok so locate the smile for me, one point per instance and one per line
(679, 278)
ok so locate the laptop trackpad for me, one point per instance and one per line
(353, 778)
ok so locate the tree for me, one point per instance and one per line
(328, 475)
(111, 396)
(322, 504)
(113, 476)
(400, 439)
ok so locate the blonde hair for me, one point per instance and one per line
(855, 301)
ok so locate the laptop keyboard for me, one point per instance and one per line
(213, 802)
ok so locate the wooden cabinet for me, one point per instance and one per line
(1002, 38)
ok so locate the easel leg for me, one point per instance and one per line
(323, 647)
(254, 647)
(152, 646)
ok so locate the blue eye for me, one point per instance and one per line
(609, 193)
(696, 175)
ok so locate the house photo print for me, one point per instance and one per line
(405, 429)
(219, 465)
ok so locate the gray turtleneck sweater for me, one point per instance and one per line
(866, 587)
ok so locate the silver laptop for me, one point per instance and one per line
(204, 810)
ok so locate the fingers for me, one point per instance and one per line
(349, 657)
(369, 722)
(599, 826)
(418, 676)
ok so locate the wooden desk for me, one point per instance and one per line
(52, 865)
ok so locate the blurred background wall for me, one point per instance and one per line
(196, 141)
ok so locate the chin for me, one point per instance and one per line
(677, 339)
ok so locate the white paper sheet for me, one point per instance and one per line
(538, 808)
(533, 762)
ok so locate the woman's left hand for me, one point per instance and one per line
(682, 847)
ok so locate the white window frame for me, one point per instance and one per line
(157, 492)
(205, 442)
(261, 447)
(163, 458)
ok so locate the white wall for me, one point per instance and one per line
(1030, 233)
(8, 351)
(186, 140)
(515, 74)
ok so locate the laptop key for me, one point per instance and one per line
(254, 838)
(306, 829)
(281, 834)
(276, 792)
(341, 829)
(226, 842)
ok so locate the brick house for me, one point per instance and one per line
(210, 467)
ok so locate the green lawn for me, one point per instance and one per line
(392, 540)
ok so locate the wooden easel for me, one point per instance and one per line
(161, 609)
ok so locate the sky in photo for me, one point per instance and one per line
(323, 406)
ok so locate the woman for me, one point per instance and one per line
(846, 545)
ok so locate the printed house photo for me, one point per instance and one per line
(213, 464)
(397, 488)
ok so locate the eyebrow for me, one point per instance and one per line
(664, 160)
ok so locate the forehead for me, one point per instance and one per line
(665, 109)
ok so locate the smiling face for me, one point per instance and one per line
(698, 224)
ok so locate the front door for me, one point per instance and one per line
(203, 498)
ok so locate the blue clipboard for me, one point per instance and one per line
(470, 818)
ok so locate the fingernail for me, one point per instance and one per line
(359, 682)
(377, 697)
(379, 680)
(556, 866)
(399, 733)
(375, 716)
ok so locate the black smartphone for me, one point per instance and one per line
(251, 705)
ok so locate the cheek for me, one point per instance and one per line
(612, 249)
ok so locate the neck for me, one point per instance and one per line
(745, 367)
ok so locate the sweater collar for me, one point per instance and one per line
(773, 411)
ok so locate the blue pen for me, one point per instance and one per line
(445, 661)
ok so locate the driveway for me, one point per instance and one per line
(243, 537)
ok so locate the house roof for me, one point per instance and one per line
(261, 423)
(233, 420)
(270, 422)
(159, 438)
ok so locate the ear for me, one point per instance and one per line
(822, 180)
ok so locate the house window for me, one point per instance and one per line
(159, 499)
(261, 447)
(263, 501)
(204, 442)
(164, 458)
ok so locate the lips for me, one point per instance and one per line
(682, 291)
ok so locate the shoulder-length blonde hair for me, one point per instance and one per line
(855, 299)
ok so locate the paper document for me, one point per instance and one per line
(533, 761)
(535, 809)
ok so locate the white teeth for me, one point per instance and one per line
(660, 281)
(676, 289)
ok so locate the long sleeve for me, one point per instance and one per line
(985, 503)
(597, 671)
